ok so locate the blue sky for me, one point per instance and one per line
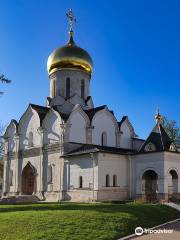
(135, 46)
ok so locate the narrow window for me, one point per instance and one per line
(107, 180)
(30, 143)
(114, 180)
(80, 182)
(49, 174)
(82, 88)
(67, 87)
(104, 139)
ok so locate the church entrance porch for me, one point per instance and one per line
(28, 185)
(150, 186)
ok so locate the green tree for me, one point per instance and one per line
(172, 129)
(3, 79)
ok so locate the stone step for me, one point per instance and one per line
(19, 199)
(26, 199)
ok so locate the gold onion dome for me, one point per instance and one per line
(69, 56)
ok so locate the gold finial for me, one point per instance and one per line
(158, 116)
(71, 17)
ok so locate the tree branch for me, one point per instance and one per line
(3, 79)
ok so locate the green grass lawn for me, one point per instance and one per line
(73, 221)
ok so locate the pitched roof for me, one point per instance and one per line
(64, 116)
(122, 120)
(87, 148)
(159, 138)
(41, 110)
(91, 112)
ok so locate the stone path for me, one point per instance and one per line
(174, 225)
(175, 235)
(173, 205)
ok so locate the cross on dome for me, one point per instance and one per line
(71, 18)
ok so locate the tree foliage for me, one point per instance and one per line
(3, 79)
(172, 129)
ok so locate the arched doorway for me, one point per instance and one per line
(28, 180)
(150, 178)
(173, 186)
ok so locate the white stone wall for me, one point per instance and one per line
(13, 169)
(104, 122)
(58, 79)
(82, 166)
(54, 160)
(52, 127)
(144, 162)
(103, 164)
(78, 122)
(137, 144)
(10, 133)
(12, 146)
(29, 122)
(172, 162)
(126, 136)
(112, 164)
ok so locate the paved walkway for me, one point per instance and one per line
(175, 235)
(173, 205)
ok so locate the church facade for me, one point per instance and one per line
(72, 150)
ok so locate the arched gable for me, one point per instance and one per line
(11, 131)
(104, 121)
(127, 133)
(29, 122)
(79, 122)
(51, 125)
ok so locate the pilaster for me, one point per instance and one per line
(118, 137)
(17, 173)
(89, 134)
(64, 128)
(41, 159)
(6, 168)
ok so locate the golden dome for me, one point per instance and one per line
(69, 56)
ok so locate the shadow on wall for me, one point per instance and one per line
(67, 196)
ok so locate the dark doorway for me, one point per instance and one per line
(28, 179)
(150, 178)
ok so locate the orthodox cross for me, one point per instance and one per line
(71, 17)
(158, 116)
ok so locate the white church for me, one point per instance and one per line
(72, 150)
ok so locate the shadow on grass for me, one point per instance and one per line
(137, 209)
